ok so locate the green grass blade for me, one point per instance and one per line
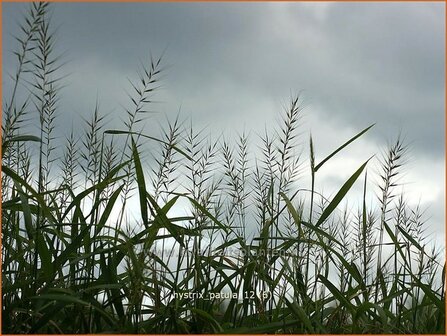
(107, 211)
(162, 221)
(18, 138)
(318, 166)
(340, 195)
(299, 312)
(204, 316)
(336, 293)
(141, 184)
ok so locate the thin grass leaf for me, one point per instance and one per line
(141, 185)
(318, 166)
(340, 195)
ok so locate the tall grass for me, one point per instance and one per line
(257, 250)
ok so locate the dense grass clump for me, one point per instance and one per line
(255, 251)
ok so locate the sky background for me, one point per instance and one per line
(233, 66)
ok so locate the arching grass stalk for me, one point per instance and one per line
(390, 168)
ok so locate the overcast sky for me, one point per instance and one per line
(234, 65)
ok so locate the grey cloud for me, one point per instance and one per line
(358, 63)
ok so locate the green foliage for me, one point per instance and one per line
(253, 254)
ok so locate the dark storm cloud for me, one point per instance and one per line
(358, 63)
